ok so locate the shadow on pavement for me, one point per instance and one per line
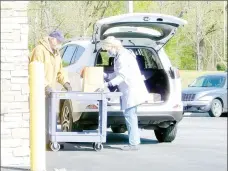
(112, 140)
(122, 139)
(192, 114)
(8, 168)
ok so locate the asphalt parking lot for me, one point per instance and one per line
(200, 145)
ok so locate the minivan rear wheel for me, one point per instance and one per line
(166, 134)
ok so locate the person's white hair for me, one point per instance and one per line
(111, 42)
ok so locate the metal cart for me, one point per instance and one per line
(97, 137)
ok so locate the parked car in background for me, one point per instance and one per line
(207, 93)
(144, 34)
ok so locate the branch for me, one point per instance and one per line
(88, 3)
(102, 14)
(212, 46)
(183, 11)
(211, 31)
(105, 8)
(181, 14)
(59, 24)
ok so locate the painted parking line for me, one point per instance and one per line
(189, 114)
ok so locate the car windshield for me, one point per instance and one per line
(209, 81)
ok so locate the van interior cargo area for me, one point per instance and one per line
(156, 79)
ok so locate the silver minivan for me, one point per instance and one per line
(145, 34)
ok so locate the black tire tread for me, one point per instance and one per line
(166, 134)
(117, 129)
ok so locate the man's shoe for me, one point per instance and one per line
(130, 148)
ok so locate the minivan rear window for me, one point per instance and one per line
(145, 57)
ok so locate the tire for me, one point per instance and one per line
(77, 127)
(66, 118)
(118, 129)
(225, 114)
(55, 146)
(216, 108)
(166, 134)
(97, 146)
(90, 127)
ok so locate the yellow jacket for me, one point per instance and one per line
(53, 68)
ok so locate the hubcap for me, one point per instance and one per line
(66, 119)
(217, 108)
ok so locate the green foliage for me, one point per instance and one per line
(181, 53)
(64, 63)
(143, 6)
(221, 67)
(115, 8)
(76, 18)
(104, 59)
(31, 47)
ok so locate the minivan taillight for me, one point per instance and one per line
(177, 73)
(174, 72)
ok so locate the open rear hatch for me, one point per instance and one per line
(158, 28)
(153, 30)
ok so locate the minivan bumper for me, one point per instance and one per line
(153, 116)
(117, 118)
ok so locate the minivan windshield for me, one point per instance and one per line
(209, 81)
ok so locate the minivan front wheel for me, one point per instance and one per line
(66, 118)
(166, 134)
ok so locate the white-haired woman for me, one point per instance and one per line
(128, 78)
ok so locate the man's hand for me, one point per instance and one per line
(67, 86)
(48, 90)
(108, 84)
(105, 76)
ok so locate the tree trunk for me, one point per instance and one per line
(41, 16)
(160, 6)
(198, 38)
(213, 54)
(203, 57)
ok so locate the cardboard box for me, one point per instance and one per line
(93, 78)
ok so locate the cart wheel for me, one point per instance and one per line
(55, 146)
(98, 147)
(94, 145)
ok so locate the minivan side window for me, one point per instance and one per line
(62, 50)
(151, 62)
(68, 54)
(78, 53)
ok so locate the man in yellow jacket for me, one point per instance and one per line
(47, 52)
